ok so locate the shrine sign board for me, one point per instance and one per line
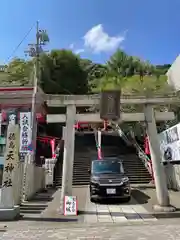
(110, 105)
(70, 205)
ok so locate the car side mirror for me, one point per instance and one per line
(89, 171)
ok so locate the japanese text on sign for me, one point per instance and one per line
(70, 205)
(11, 155)
(110, 105)
(25, 131)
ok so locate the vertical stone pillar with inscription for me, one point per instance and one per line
(7, 208)
(25, 142)
(68, 158)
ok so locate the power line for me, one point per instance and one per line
(16, 48)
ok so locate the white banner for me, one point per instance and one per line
(70, 205)
(49, 167)
(25, 131)
(170, 144)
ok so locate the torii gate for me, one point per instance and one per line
(149, 116)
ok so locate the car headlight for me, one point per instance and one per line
(94, 180)
(125, 179)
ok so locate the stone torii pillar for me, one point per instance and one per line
(159, 173)
(68, 158)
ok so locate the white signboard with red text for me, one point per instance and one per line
(70, 205)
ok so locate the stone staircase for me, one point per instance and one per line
(136, 170)
(33, 209)
(85, 151)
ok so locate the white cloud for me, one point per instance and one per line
(99, 41)
(78, 51)
(71, 46)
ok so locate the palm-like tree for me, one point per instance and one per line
(119, 63)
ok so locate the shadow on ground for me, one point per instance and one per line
(40, 219)
(137, 195)
(37, 204)
(140, 196)
(146, 195)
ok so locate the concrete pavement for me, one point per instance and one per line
(141, 231)
(46, 207)
(115, 213)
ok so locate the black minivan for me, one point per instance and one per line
(108, 180)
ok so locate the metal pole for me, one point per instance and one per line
(36, 80)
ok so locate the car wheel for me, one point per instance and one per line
(92, 199)
(127, 199)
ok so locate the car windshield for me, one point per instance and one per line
(107, 166)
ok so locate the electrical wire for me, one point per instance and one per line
(17, 47)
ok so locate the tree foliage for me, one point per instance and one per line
(63, 72)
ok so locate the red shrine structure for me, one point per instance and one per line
(15, 100)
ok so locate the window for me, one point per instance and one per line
(107, 166)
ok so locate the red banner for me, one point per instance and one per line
(52, 142)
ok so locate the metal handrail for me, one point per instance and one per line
(121, 134)
(143, 157)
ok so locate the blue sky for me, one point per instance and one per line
(95, 28)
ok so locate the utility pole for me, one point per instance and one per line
(34, 51)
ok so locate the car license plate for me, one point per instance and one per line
(111, 191)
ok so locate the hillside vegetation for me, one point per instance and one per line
(63, 72)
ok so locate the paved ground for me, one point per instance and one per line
(146, 196)
(113, 213)
(162, 231)
(46, 207)
(94, 213)
(96, 221)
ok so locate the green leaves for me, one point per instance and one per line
(63, 72)
(19, 71)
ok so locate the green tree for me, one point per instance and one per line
(20, 72)
(62, 73)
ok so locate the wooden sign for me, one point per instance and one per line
(110, 105)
